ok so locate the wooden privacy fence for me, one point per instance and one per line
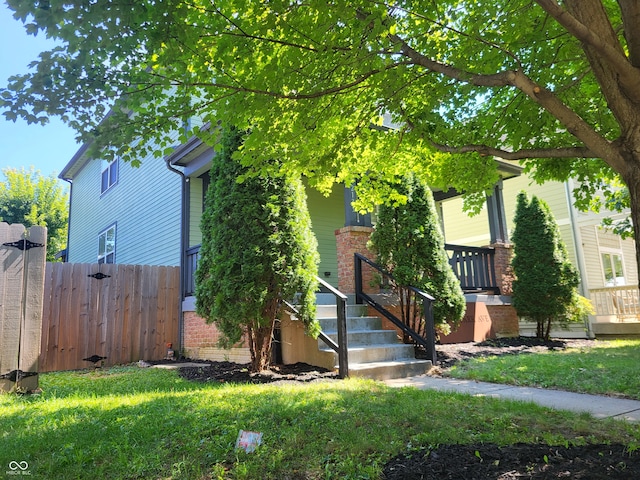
(125, 313)
(22, 266)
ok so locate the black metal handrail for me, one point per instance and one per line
(474, 267)
(342, 347)
(428, 343)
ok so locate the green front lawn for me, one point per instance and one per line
(610, 368)
(150, 424)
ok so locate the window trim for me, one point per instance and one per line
(101, 258)
(112, 169)
(613, 252)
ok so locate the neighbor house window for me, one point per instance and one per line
(612, 267)
(107, 245)
(109, 174)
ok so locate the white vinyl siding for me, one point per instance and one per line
(596, 242)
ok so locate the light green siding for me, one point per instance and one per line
(195, 211)
(461, 229)
(327, 215)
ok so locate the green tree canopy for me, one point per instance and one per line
(554, 84)
(257, 250)
(28, 198)
(545, 286)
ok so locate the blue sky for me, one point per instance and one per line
(48, 148)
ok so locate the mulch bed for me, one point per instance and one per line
(463, 462)
(237, 373)
(518, 461)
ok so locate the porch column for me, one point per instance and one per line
(350, 240)
(502, 264)
(497, 217)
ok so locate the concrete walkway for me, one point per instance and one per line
(599, 406)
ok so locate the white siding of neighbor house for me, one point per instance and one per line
(144, 205)
(593, 239)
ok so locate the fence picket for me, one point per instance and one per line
(31, 328)
(22, 260)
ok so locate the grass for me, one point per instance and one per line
(610, 368)
(131, 423)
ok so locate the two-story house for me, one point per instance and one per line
(151, 215)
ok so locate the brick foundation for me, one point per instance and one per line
(505, 320)
(200, 341)
(486, 316)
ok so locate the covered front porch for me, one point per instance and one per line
(341, 232)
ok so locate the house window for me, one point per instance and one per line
(107, 245)
(612, 267)
(109, 175)
(206, 181)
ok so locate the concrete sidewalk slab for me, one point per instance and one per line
(597, 405)
(174, 366)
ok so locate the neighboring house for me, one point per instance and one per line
(606, 262)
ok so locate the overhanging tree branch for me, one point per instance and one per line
(628, 75)
(560, 152)
(357, 82)
(600, 146)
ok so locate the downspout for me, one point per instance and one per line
(577, 242)
(184, 245)
(68, 180)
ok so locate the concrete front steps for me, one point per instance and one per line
(373, 352)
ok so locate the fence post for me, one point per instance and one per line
(430, 330)
(343, 353)
(22, 255)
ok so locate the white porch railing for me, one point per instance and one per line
(622, 303)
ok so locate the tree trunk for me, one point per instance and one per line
(261, 336)
(632, 179)
(539, 328)
(261, 351)
(547, 333)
